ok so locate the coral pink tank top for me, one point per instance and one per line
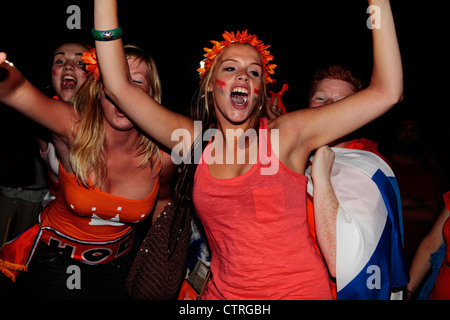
(257, 229)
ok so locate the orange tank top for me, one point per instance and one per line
(258, 232)
(92, 214)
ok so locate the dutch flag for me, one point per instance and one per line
(370, 259)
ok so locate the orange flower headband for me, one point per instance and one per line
(240, 37)
(90, 59)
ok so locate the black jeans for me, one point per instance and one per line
(53, 275)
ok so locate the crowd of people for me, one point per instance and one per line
(292, 205)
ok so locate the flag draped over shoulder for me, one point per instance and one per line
(369, 255)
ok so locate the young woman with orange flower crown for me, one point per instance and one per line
(110, 177)
(260, 249)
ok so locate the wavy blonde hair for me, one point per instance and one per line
(203, 109)
(87, 152)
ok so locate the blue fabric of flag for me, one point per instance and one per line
(370, 261)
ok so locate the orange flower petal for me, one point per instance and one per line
(240, 37)
(90, 59)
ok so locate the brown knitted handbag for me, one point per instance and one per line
(160, 264)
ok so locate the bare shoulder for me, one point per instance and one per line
(292, 147)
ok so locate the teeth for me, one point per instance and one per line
(240, 90)
(239, 96)
(69, 78)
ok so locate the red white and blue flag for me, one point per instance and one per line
(370, 261)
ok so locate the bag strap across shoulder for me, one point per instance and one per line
(183, 190)
(183, 187)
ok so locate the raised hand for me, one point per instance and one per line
(2, 57)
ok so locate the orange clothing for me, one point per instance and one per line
(441, 289)
(92, 214)
(367, 145)
(53, 185)
(91, 225)
(257, 229)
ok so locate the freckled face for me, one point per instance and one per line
(237, 83)
(114, 117)
(329, 91)
(68, 72)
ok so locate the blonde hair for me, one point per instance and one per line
(204, 106)
(132, 51)
(87, 152)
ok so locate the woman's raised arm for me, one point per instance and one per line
(316, 127)
(142, 109)
(18, 93)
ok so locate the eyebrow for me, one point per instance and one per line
(63, 53)
(138, 72)
(234, 60)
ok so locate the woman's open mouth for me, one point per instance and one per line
(69, 83)
(118, 113)
(239, 97)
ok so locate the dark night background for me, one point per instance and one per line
(305, 36)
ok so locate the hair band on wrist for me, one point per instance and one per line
(107, 35)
